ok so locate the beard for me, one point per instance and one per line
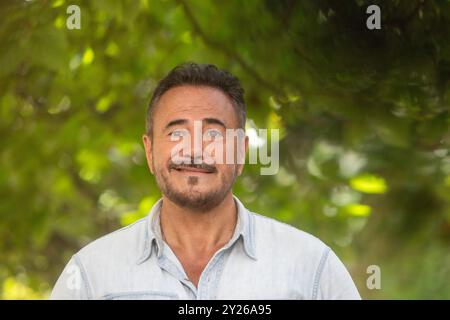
(191, 198)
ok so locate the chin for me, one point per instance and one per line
(196, 190)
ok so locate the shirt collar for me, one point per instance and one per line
(153, 237)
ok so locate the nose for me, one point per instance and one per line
(192, 147)
(196, 150)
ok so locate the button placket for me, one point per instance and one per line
(205, 277)
(171, 268)
(212, 273)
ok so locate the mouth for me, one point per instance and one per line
(192, 171)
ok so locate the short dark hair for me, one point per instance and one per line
(191, 73)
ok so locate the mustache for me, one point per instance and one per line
(191, 164)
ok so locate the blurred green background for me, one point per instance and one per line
(364, 119)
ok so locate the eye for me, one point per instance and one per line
(177, 134)
(213, 133)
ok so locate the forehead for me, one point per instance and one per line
(194, 103)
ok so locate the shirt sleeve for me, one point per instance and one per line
(333, 281)
(72, 284)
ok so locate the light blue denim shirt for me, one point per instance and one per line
(264, 259)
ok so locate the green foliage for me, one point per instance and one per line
(364, 148)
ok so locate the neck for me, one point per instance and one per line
(198, 232)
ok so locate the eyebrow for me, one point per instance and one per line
(214, 121)
(175, 123)
(184, 121)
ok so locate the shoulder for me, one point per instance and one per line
(298, 250)
(295, 249)
(122, 243)
(281, 234)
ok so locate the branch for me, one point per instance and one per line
(231, 54)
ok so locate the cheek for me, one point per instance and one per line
(226, 170)
(223, 151)
(161, 155)
(214, 152)
(234, 151)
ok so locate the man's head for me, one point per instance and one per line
(195, 103)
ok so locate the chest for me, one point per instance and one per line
(194, 265)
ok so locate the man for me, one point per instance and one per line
(199, 241)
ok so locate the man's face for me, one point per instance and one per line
(189, 124)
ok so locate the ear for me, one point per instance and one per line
(148, 151)
(241, 166)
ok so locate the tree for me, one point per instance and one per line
(364, 117)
